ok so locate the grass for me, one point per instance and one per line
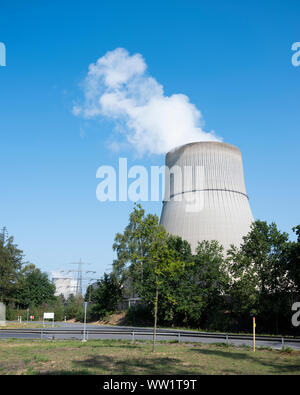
(224, 333)
(31, 357)
(22, 325)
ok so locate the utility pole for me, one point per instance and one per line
(84, 322)
(79, 276)
(75, 278)
(254, 326)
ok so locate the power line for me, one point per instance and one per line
(80, 275)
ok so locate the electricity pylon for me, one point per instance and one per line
(80, 277)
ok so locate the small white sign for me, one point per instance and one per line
(49, 316)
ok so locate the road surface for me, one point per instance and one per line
(174, 335)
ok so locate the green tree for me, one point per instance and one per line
(175, 295)
(34, 288)
(128, 246)
(294, 262)
(243, 291)
(59, 308)
(210, 280)
(158, 259)
(11, 261)
(145, 259)
(104, 296)
(192, 291)
(73, 305)
(260, 274)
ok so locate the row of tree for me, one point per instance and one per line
(210, 289)
(21, 283)
(27, 291)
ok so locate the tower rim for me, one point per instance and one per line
(218, 144)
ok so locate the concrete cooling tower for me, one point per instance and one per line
(205, 194)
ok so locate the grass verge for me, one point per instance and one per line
(23, 325)
(29, 357)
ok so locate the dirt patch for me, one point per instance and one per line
(113, 319)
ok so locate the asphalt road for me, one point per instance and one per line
(68, 327)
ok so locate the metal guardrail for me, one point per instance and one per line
(146, 332)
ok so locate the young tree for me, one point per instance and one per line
(144, 257)
(128, 246)
(159, 260)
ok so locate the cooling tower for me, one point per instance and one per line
(208, 200)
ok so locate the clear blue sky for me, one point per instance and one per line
(231, 58)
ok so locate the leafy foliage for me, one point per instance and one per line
(34, 288)
(260, 273)
(21, 283)
(11, 261)
(294, 261)
(104, 296)
(211, 288)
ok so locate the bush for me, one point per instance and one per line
(10, 313)
(80, 315)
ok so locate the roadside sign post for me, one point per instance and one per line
(27, 314)
(2, 314)
(48, 316)
(254, 325)
(84, 322)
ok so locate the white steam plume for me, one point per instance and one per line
(118, 87)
